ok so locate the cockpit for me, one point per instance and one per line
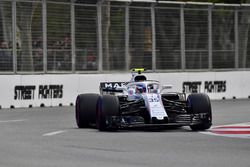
(153, 88)
(146, 87)
(140, 88)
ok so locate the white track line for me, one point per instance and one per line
(54, 133)
(16, 120)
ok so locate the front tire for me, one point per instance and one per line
(85, 110)
(107, 107)
(200, 104)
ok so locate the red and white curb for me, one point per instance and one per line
(241, 130)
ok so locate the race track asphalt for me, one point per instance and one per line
(48, 137)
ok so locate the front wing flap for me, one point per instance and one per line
(122, 122)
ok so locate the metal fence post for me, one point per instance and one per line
(44, 22)
(127, 54)
(182, 29)
(210, 42)
(73, 50)
(153, 37)
(99, 35)
(236, 30)
(14, 36)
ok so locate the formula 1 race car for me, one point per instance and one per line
(141, 103)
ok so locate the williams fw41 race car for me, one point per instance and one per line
(141, 103)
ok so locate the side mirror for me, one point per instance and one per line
(167, 87)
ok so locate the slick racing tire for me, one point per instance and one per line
(86, 110)
(107, 107)
(200, 103)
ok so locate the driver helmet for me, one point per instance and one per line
(140, 88)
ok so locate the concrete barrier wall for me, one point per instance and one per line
(54, 90)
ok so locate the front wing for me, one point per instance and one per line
(123, 122)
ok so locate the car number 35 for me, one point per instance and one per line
(153, 99)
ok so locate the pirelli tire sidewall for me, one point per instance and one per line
(107, 106)
(200, 103)
(85, 109)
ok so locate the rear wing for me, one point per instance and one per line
(112, 87)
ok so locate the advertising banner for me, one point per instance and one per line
(58, 89)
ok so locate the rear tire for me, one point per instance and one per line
(200, 103)
(107, 106)
(86, 110)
